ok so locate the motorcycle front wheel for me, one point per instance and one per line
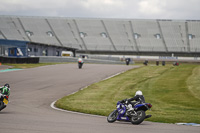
(139, 118)
(80, 65)
(112, 116)
(1, 105)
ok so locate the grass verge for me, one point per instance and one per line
(173, 92)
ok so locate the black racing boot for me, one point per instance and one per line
(148, 116)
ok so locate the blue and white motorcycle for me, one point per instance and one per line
(125, 112)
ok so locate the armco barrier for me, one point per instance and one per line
(53, 59)
(47, 59)
(19, 60)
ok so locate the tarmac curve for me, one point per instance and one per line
(34, 89)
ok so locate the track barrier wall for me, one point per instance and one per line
(47, 59)
(18, 60)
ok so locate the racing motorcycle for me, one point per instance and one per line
(3, 101)
(80, 64)
(125, 112)
(127, 61)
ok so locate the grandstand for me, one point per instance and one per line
(111, 36)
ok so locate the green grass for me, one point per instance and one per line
(173, 91)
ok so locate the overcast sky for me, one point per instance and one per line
(132, 9)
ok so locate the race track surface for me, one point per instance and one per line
(33, 91)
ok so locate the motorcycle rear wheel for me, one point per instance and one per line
(112, 116)
(139, 118)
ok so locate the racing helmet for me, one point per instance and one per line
(138, 93)
(7, 85)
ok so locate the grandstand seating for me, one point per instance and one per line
(11, 29)
(64, 30)
(39, 27)
(137, 35)
(147, 29)
(120, 34)
(194, 30)
(93, 38)
(174, 34)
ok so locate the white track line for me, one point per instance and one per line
(53, 103)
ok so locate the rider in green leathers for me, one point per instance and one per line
(5, 90)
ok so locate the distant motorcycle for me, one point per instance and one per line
(127, 61)
(3, 101)
(80, 64)
(136, 115)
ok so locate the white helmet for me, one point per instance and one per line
(138, 93)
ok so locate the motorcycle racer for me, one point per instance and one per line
(129, 111)
(5, 90)
(80, 63)
(139, 98)
(80, 60)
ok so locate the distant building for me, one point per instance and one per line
(23, 48)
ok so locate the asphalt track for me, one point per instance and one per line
(33, 90)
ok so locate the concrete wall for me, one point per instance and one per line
(44, 59)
